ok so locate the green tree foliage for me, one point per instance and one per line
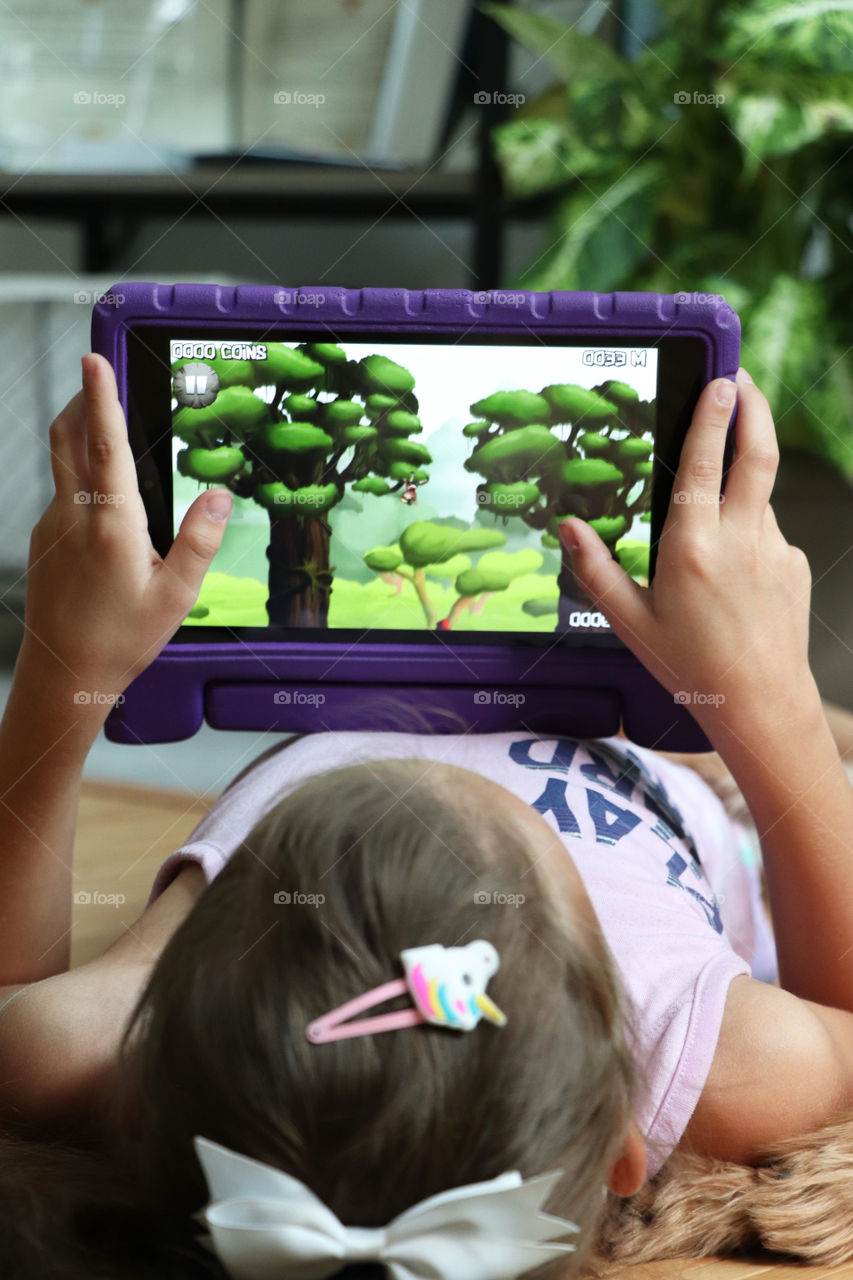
(713, 162)
(565, 451)
(438, 550)
(290, 433)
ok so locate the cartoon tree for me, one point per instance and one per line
(565, 451)
(425, 546)
(494, 572)
(291, 432)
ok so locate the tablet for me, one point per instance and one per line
(400, 462)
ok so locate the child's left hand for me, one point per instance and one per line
(101, 602)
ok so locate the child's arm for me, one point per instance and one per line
(100, 605)
(728, 615)
(59, 1038)
(713, 770)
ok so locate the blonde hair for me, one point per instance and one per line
(374, 1124)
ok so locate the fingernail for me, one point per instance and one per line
(568, 536)
(218, 506)
(743, 376)
(725, 392)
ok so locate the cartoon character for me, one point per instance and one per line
(448, 984)
(410, 490)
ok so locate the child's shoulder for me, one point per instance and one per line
(59, 1037)
(782, 1067)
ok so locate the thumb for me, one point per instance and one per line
(622, 601)
(198, 540)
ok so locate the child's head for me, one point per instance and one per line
(375, 859)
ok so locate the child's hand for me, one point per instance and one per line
(725, 622)
(101, 602)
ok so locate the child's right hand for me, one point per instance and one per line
(101, 602)
(726, 617)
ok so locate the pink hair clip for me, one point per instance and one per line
(446, 984)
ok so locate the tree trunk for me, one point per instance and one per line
(300, 581)
(420, 584)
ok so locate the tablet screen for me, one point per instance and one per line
(411, 488)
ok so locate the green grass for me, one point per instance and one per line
(231, 602)
(241, 602)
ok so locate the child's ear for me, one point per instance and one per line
(629, 1172)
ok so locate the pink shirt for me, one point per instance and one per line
(674, 881)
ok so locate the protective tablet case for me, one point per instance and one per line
(313, 686)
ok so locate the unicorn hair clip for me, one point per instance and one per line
(446, 984)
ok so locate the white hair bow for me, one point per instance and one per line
(266, 1224)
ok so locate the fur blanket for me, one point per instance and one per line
(798, 1201)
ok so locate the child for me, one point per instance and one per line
(610, 882)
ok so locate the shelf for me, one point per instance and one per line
(252, 189)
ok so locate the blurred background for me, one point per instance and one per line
(699, 146)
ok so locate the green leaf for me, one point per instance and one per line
(821, 420)
(382, 376)
(286, 367)
(511, 408)
(372, 484)
(423, 542)
(594, 443)
(383, 559)
(403, 423)
(408, 451)
(568, 51)
(401, 470)
(236, 410)
(448, 569)
(609, 528)
(738, 200)
(777, 336)
(325, 352)
(496, 570)
(541, 155)
(572, 403)
(209, 465)
(633, 556)
(356, 434)
(528, 452)
(509, 499)
(772, 126)
(231, 373)
(296, 438)
(590, 471)
(816, 33)
(634, 447)
(298, 407)
(342, 413)
(376, 405)
(539, 606)
(603, 236)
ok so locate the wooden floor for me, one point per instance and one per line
(125, 833)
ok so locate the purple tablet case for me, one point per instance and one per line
(313, 686)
